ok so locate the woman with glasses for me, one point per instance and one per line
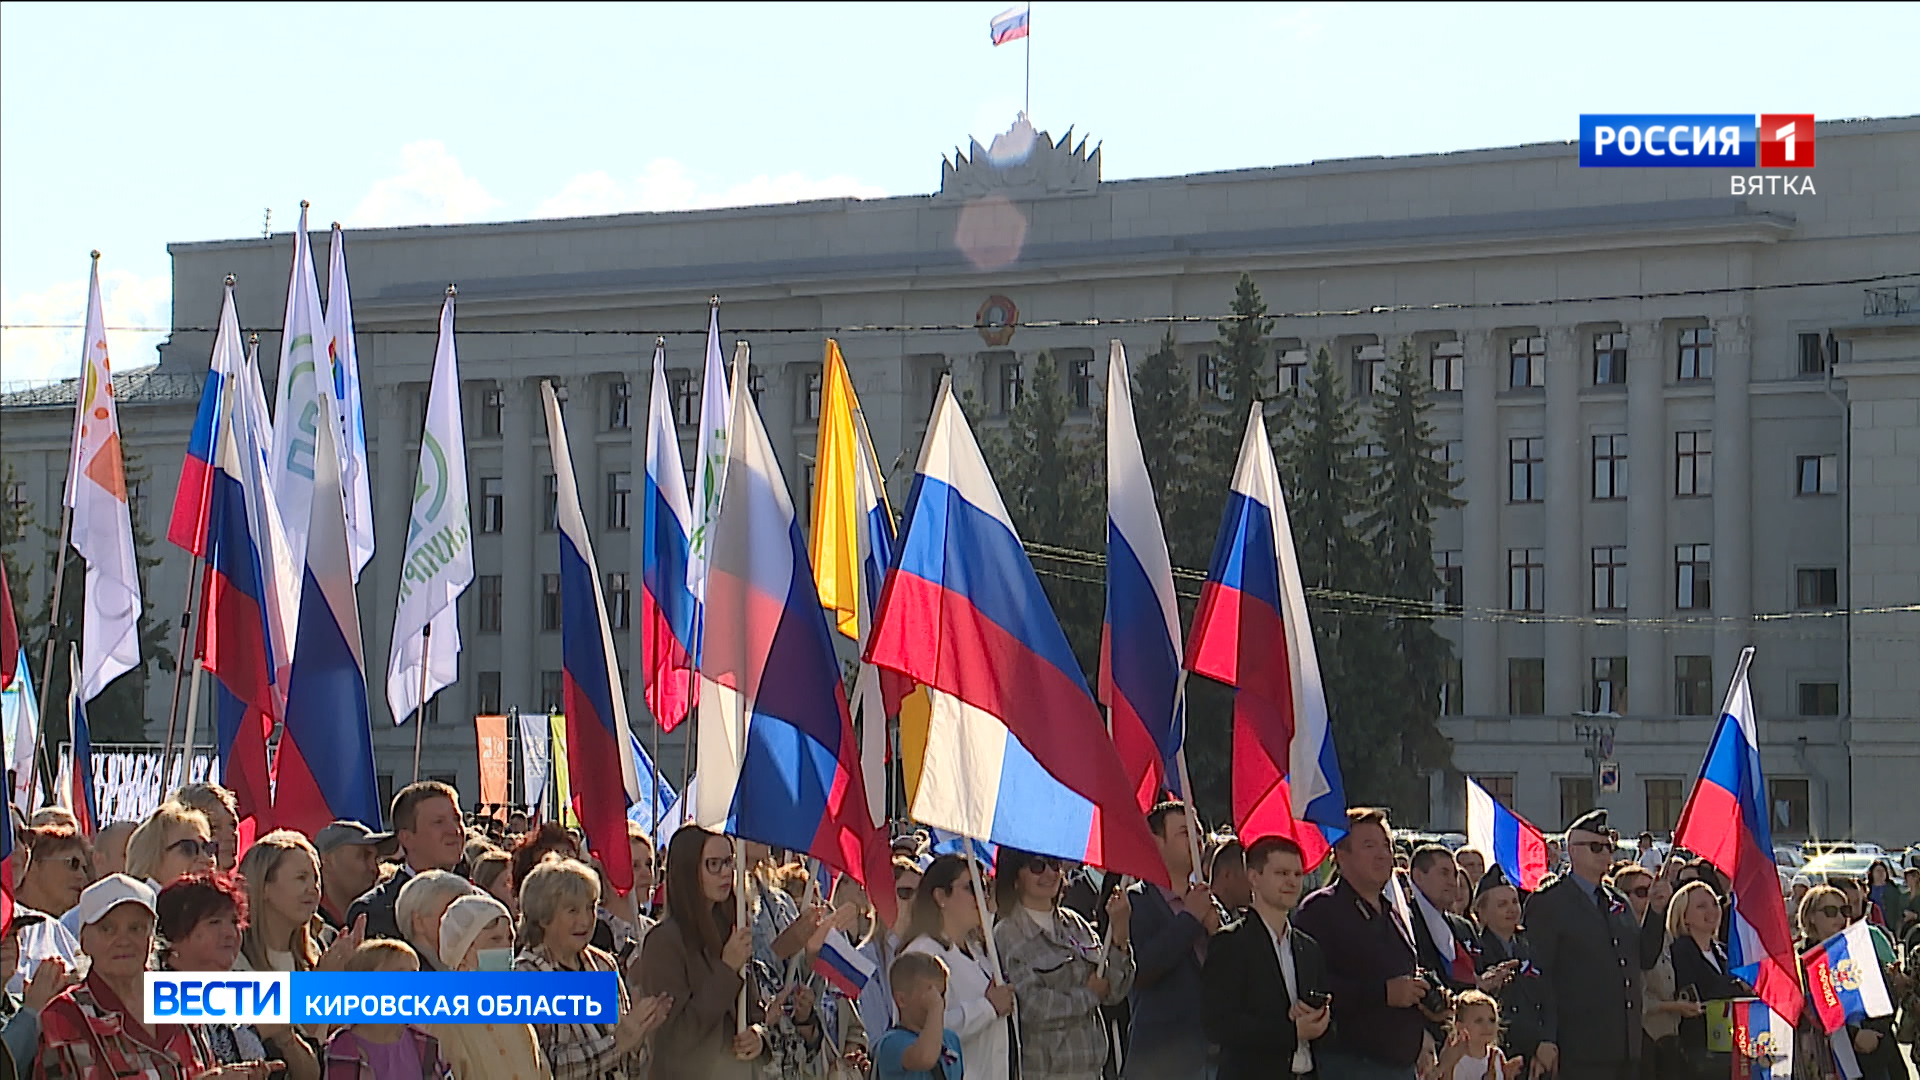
(695, 957)
(1824, 912)
(1060, 971)
(173, 842)
(1700, 971)
(944, 921)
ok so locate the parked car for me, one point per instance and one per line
(1851, 864)
(1789, 857)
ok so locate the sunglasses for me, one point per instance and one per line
(1830, 911)
(193, 849)
(1598, 847)
(722, 864)
(905, 892)
(1040, 864)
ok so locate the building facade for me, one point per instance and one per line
(1683, 421)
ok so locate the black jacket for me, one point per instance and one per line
(377, 905)
(1247, 1000)
(1520, 1012)
(1704, 979)
(1589, 957)
(1166, 1036)
(1428, 952)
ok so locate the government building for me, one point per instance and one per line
(1684, 419)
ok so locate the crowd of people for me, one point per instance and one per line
(1390, 962)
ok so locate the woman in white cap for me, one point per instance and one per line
(476, 934)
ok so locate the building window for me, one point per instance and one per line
(1452, 592)
(1012, 383)
(1696, 354)
(489, 703)
(553, 694)
(489, 613)
(1609, 686)
(1576, 796)
(550, 503)
(1369, 370)
(1206, 368)
(1527, 362)
(1788, 796)
(549, 601)
(1453, 687)
(1080, 384)
(811, 381)
(1817, 587)
(1609, 466)
(1526, 579)
(756, 382)
(1610, 359)
(1816, 474)
(1819, 699)
(1526, 470)
(493, 505)
(493, 406)
(1693, 685)
(619, 601)
(1693, 577)
(619, 497)
(1663, 804)
(1291, 361)
(1526, 685)
(1500, 787)
(619, 405)
(17, 497)
(1452, 453)
(686, 401)
(1692, 463)
(1813, 355)
(1447, 363)
(1610, 579)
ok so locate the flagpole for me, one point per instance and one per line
(53, 623)
(185, 775)
(1028, 111)
(1186, 781)
(653, 841)
(420, 710)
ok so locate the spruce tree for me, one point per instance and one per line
(1167, 418)
(16, 524)
(1240, 372)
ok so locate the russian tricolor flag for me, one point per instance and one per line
(1509, 841)
(1140, 640)
(1844, 979)
(667, 605)
(1009, 25)
(844, 966)
(1762, 1041)
(1251, 632)
(1016, 752)
(193, 498)
(1725, 822)
(778, 761)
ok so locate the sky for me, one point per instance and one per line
(127, 127)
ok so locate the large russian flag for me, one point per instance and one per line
(1140, 638)
(193, 497)
(1725, 822)
(667, 605)
(599, 762)
(778, 759)
(1016, 752)
(1251, 632)
(1509, 841)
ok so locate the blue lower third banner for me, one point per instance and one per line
(382, 997)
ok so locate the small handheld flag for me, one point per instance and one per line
(844, 966)
(1844, 981)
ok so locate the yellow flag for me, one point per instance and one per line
(558, 755)
(834, 542)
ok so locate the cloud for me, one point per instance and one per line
(666, 184)
(32, 355)
(430, 189)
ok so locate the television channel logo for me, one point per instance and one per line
(1696, 140)
(224, 997)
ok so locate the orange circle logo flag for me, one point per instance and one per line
(996, 320)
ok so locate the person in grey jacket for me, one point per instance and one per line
(1060, 971)
(1167, 1038)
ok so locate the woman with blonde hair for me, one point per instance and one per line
(282, 873)
(173, 842)
(1700, 969)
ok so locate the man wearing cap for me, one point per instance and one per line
(349, 865)
(1587, 947)
(426, 822)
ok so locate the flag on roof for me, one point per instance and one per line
(102, 523)
(1009, 25)
(667, 604)
(1017, 752)
(1508, 840)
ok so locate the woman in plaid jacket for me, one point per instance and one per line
(1053, 959)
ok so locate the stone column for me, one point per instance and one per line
(1649, 445)
(1567, 594)
(520, 402)
(1483, 490)
(1732, 495)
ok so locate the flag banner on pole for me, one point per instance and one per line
(300, 403)
(20, 712)
(1017, 752)
(566, 804)
(1009, 25)
(1251, 632)
(1844, 980)
(776, 751)
(324, 769)
(102, 523)
(79, 798)
(1140, 636)
(1725, 822)
(942, 842)
(1508, 840)
(599, 764)
(535, 762)
(654, 802)
(490, 731)
(193, 497)
(344, 363)
(1762, 1041)
(710, 461)
(844, 966)
(667, 604)
(439, 562)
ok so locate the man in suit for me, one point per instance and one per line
(1261, 974)
(1443, 941)
(426, 821)
(1166, 1038)
(1586, 945)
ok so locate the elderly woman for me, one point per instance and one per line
(50, 865)
(1053, 960)
(199, 923)
(557, 900)
(476, 934)
(1496, 907)
(282, 874)
(694, 959)
(223, 819)
(418, 909)
(173, 842)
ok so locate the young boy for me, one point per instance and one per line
(919, 1046)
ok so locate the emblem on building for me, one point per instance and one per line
(1021, 163)
(996, 320)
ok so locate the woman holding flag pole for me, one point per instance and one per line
(944, 922)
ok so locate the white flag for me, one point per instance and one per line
(710, 464)
(439, 562)
(345, 365)
(298, 408)
(102, 523)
